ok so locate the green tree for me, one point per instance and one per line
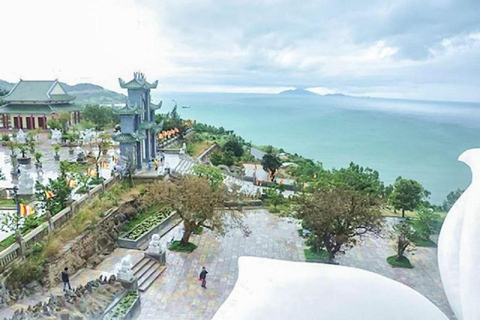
(54, 124)
(234, 146)
(64, 119)
(214, 175)
(358, 178)
(228, 158)
(403, 233)
(271, 163)
(101, 116)
(61, 192)
(427, 223)
(407, 195)
(38, 156)
(274, 196)
(452, 197)
(336, 218)
(195, 201)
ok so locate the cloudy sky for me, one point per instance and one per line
(421, 49)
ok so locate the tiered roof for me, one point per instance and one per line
(154, 106)
(49, 92)
(38, 97)
(139, 82)
(128, 137)
(127, 110)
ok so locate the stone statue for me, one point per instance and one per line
(183, 149)
(87, 135)
(56, 136)
(154, 245)
(124, 269)
(21, 137)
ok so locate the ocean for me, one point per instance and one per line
(419, 140)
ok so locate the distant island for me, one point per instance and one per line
(298, 92)
(85, 93)
(304, 92)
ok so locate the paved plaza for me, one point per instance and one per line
(424, 277)
(177, 293)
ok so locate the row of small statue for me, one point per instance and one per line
(58, 304)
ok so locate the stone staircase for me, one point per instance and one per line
(184, 167)
(147, 271)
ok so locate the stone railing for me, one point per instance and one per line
(167, 143)
(207, 152)
(16, 251)
(9, 255)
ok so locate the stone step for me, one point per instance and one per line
(145, 268)
(140, 264)
(144, 277)
(148, 282)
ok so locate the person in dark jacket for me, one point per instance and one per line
(66, 280)
(203, 277)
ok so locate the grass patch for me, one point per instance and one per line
(199, 147)
(389, 212)
(175, 246)
(89, 216)
(7, 203)
(419, 242)
(198, 231)
(403, 262)
(7, 242)
(321, 256)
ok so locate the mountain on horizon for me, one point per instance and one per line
(298, 92)
(85, 93)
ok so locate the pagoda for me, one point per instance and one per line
(137, 121)
(30, 104)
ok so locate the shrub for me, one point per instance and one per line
(403, 262)
(148, 224)
(25, 272)
(5, 137)
(122, 307)
(175, 246)
(320, 256)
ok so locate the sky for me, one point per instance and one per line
(409, 49)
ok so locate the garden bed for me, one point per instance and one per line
(125, 308)
(160, 223)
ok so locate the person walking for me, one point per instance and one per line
(203, 277)
(66, 280)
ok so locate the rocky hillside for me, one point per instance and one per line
(86, 93)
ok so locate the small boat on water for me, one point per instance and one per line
(185, 107)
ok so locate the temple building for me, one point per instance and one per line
(137, 136)
(30, 104)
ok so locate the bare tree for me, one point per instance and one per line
(197, 202)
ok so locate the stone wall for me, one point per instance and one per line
(90, 248)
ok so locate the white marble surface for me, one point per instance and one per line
(281, 290)
(458, 254)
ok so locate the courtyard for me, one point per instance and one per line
(177, 293)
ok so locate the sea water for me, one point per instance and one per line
(419, 140)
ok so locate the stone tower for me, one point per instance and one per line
(138, 128)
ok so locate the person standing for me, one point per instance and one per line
(66, 280)
(203, 277)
